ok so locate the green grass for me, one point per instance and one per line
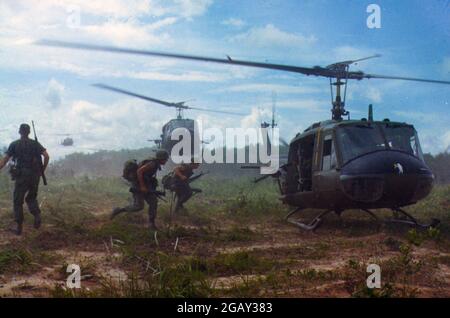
(75, 216)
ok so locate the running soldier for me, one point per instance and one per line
(181, 187)
(27, 170)
(143, 187)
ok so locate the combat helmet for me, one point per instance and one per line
(162, 155)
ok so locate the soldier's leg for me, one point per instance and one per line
(136, 205)
(20, 190)
(32, 202)
(152, 202)
(178, 197)
(186, 193)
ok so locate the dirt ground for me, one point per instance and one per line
(264, 257)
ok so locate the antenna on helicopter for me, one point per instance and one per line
(274, 105)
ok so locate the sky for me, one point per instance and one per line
(52, 86)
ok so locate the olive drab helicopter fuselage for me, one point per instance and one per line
(169, 130)
(355, 164)
(67, 142)
(339, 164)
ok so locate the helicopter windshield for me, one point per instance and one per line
(361, 139)
(403, 138)
(358, 140)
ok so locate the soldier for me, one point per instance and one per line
(26, 153)
(181, 186)
(143, 188)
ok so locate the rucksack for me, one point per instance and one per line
(129, 171)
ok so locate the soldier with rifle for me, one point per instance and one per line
(143, 181)
(27, 170)
(182, 177)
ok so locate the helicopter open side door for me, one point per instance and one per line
(326, 173)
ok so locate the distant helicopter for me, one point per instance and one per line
(339, 164)
(272, 124)
(166, 141)
(67, 141)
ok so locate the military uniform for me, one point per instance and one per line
(139, 197)
(182, 188)
(27, 155)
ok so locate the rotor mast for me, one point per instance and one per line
(179, 113)
(338, 109)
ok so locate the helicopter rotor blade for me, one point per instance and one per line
(318, 71)
(185, 101)
(176, 105)
(333, 71)
(405, 78)
(354, 61)
(147, 98)
(215, 111)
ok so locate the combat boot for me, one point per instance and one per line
(115, 212)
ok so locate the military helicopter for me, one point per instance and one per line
(339, 164)
(67, 141)
(166, 141)
(272, 124)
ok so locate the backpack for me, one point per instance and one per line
(129, 171)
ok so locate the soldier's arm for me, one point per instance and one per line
(140, 175)
(46, 159)
(178, 172)
(4, 161)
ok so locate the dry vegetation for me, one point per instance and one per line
(231, 242)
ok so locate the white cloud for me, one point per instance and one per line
(254, 119)
(113, 21)
(189, 8)
(374, 94)
(121, 33)
(417, 116)
(54, 93)
(313, 105)
(434, 144)
(270, 36)
(446, 141)
(237, 23)
(97, 126)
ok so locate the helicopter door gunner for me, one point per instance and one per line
(26, 153)
(181, 186)
(143, 188)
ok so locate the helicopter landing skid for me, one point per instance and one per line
(311, 226)
(410, 220)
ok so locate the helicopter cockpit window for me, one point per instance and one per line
(358, 140)
(403, 138)
(328, 154)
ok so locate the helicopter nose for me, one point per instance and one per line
(393, 177)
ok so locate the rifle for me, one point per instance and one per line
(41, 166)
(192, 179)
